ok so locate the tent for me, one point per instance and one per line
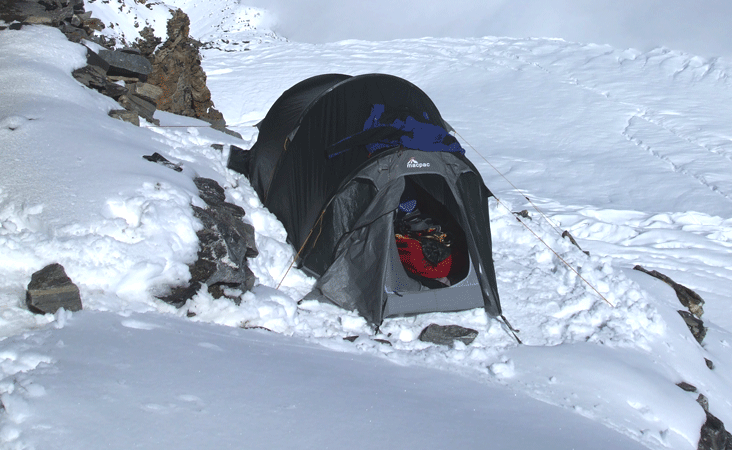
(334, 159)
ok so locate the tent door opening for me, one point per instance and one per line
(430, 267)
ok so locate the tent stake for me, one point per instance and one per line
(511, 329)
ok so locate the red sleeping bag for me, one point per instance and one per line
(412, 257)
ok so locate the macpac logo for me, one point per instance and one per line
(413, 164)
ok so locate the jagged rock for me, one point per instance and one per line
(160, 159)
(686, 386)
(225, 244)
(51, 289)
(126, 116)
(140, 106)
(709, 363)
(177, 71)
(147, 42)
(686, 296)
(126, 64)
(91, 76)
(146, 91)
(696, 326)
(447, 334)
(713, 435)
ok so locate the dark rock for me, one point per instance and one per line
(74, 34)
(566, 234)
(710, 364)
(126, 64)
(690, 299)
(210, 191)
(142, 107)
(219, 147)
(447, 334)
(91, 76)
(160, 159)
(350, 338)
(686, 386)
(713, 435)
(177, 71)
(696, 326)
(93, 59)
(113, 90)
(383, 341)
(126, 116)
(51, 289)
(225, 244)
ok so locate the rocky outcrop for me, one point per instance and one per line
(142, 78)
(178, 73)
(50, 289)
(226, 243)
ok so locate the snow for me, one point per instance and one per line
(626, 149)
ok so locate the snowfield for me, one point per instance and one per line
(629, 151)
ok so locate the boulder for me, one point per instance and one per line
(126, 64)
(447, 334)
(51, 289)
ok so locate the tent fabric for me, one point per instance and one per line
(318, 167)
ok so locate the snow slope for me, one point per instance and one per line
(626, 150)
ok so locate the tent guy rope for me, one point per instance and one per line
(576, 272)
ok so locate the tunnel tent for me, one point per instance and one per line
(337, 159)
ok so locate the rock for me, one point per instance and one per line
(147, 42)
(225, 244)
(51, 289)
(219, 147)
(686, 386)
(690, 299)
(566, 234)
(709, 363)
(696, 326)
(447, 334)
(126, 116)
(126, 64)
(91, 76)
(93, 59)
(160, 159)
(177, 71)
(146, 91)
(713, 435)
(140, 106)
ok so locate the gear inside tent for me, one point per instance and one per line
(376, 195)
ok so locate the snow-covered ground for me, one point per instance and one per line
(627, 150)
